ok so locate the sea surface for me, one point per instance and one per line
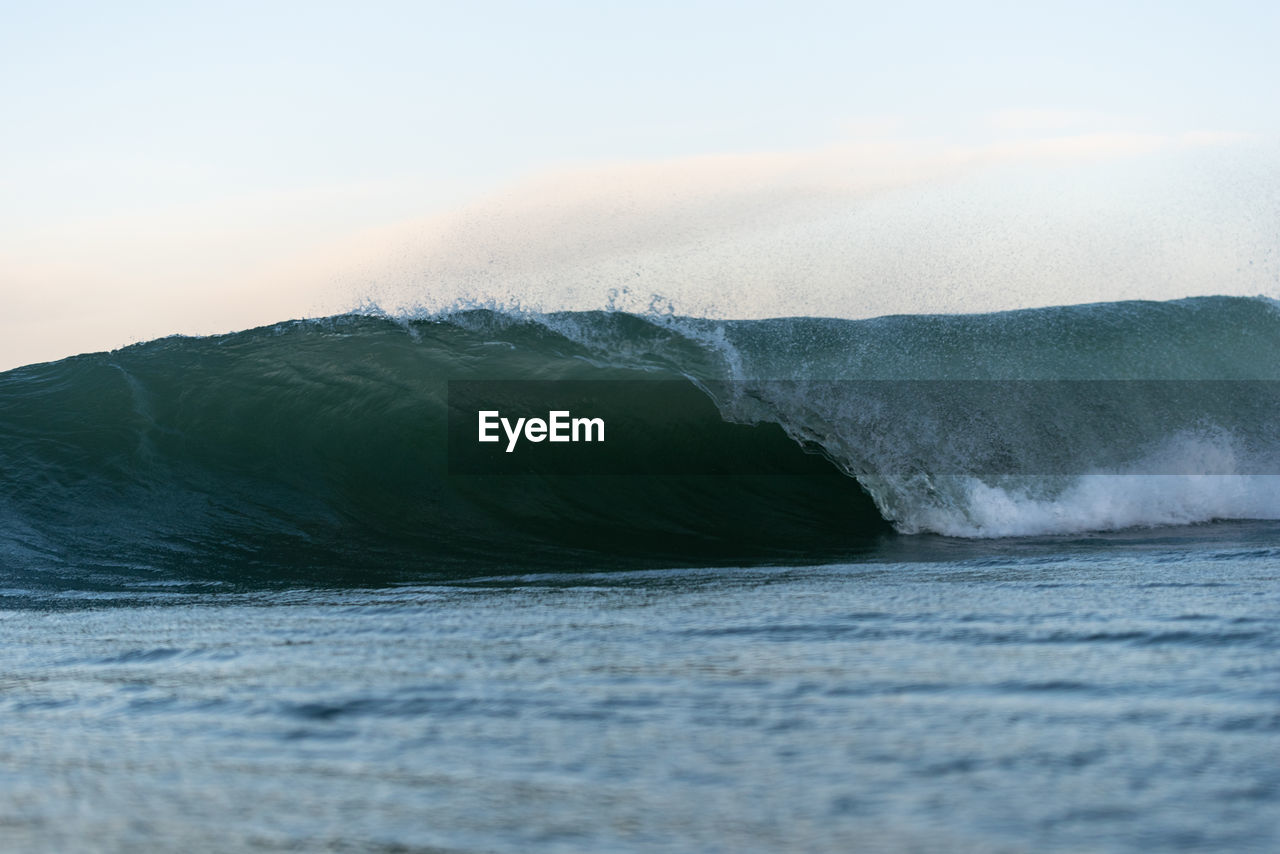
(988, 583)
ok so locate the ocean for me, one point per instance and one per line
(994, 582)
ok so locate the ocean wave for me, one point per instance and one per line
(322, 445)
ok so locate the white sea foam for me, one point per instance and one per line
(1101, 503)
(1218, 484)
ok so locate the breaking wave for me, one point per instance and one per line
(321, 445)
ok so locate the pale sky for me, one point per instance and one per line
(196, 168)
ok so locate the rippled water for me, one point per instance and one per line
(1104, 695)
